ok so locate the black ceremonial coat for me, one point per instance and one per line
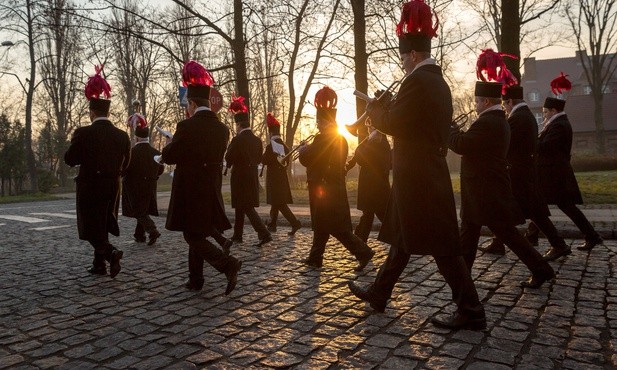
(102, 152)
(139, 182)
(277, 183)
(421, 214)
(522, 159)
(197, 150)
(373, 155)
(555, 174)
(325, 160)
(244, 156)
(486, 192)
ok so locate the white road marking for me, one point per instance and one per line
(50, 227)
(61, 215)
(30, 220)
(2, 224)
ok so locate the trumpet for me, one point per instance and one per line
(353, 128)
(461, 120)
(294, 153)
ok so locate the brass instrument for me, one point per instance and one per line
(294, 153)
(461, 120)
(353, 128)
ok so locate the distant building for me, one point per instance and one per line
(536, 80)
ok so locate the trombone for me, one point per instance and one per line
(294, 153)
(353, 128)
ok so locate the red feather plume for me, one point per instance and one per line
(237, 105)
(561, 84)
(326, 98)
(490, 67)
(194, 73)
(137, 120)
(96, 85)
(417, 19)
(271, 121)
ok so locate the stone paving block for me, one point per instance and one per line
(7, 361)
(155, 362)
(282, 360)
(204, 357)
(481, 365)
(443, 362)
(496, 355)
(50, 362)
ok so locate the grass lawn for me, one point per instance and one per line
(27, 198)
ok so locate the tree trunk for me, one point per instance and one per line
(510, 35)
(360, 60)
(29, 96)
(238, 46)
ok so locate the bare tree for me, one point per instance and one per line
(60, 72)
(21, 18)
(594, 23)
(509, 22)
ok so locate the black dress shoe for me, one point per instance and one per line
(114, 263)
(311, 263)
(366, 295)
(458, 321)
(227, 246)
(97, 270)
(534, 282)
(191, 285)
(553, 253)
(294, 228)
(589, 244)
(263, 241)
(496, 247)
(232, 275)
(532, 239)
(363, 261)
(153, 237)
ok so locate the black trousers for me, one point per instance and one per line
(544, 224)
(470, 235)
(285, 211)
(579, 219)
(350, 241)
(363, 229)
(452, 268)
(255, 220)
(200, 250)
(144, 225)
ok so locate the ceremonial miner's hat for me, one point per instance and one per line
(95, 87)
(415, 30)
(559, 85)
(493, 74)
(197, 80)
(325, 102)
(239, 109)
(512, 92)
(142, 132)
(274, 125)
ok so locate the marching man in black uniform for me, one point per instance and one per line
(486, 193)
(523, 173)
(324, 160)
(102, 153)
(556, 176)
(374, 158)
(278, 193)
(243, 157)
(139, 186)
(421, 214)
(196, 205)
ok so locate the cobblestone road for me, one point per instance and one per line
(53, 314)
